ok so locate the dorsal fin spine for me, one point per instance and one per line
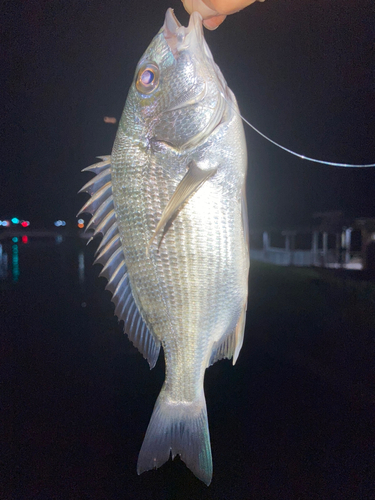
(118, 288)
(92, 205)
(108, 220)
(117, 275)
(112, 245)
(101, 212)
(93, 184)
(110, 262)
(107, 236)
(121, 307)
(111, 255)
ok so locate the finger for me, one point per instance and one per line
(213, 22)
(228, 6)
(199, 6)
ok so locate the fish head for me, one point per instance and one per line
(178, 91)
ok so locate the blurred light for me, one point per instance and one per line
(81, 226)
(60, 223)
(58, 239)
(3, 263)
(15, 239)
(15, 263)
(81, 221)
(15, 220)
(6, 223)
(81, 267)
(110, 119)
(24, 223)
(25, 239)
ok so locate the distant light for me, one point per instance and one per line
(25, 239)
(81, 226)
(60, 223)
(110, 119)
(81, 267)
(81, 221)
(15, 220)
(15, 262)
(24, 223)
(15, 239)
(5, 223)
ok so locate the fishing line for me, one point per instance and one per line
(302, 157)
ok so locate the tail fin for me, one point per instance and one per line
(180, 428)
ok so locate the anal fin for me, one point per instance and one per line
(230, 346)
(239, 334)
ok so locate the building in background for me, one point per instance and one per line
(331, 241)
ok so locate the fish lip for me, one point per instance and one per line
(171, 24)
(179, 37)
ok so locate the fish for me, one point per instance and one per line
(170, 204)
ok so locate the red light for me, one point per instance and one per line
(24, 223)
(25, 239)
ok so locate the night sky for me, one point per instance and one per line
(302, 72)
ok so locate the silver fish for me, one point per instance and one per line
(170, 202)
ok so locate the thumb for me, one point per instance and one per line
(213, 22)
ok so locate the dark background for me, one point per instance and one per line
(302, 71)
(294, 419)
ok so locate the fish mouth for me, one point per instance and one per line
(171, 25)
(180, 38)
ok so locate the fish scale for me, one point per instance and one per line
(169, 202)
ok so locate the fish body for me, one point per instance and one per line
(170, 203)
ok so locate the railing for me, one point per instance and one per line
(282, 257)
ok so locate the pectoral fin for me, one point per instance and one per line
(191, 182)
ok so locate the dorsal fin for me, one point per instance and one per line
(111, 256)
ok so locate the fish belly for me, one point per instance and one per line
(190, 286)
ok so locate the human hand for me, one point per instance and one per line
(215, 11)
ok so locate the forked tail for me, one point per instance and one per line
(180, 428)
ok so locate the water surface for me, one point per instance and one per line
(77, 397)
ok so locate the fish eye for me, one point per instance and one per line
(147, 78)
